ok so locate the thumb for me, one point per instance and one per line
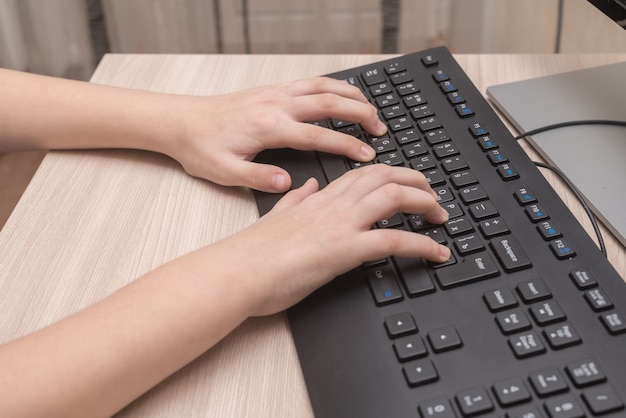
(263, 177)
(297, 195)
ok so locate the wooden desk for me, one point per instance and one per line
(92, 221)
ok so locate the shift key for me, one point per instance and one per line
(470, 269)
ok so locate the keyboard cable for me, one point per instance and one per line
(564, 178)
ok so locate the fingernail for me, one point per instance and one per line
(279, 182)
(444, 252)
(368, 152)
(444, 213)
(381, 126)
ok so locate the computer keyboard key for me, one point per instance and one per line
(400, 324)
(436, 136)
(453, 164)
(562, 249)
(436, 408)
(444, 339)
(598, 299)
(477, 130)
(533, 290)
(583, 278)
(548, 382)
(407, 136)
(561, 335)
(382, 88)
(564, 406)
(428, 124)
(436, 234)
(474, 401)
(510, 253)
(373, 76)
(602, 400)
(420, 372)
(394, 67)
(512, 321)
(524, 196)
(548, 230)
(400, 78)
(468, 244)
(536, 213)
(440, 75)
(473, 194)
(507, 172)
(483, 210)
(383, 285)
(511, 391)
(425, 162)
(547, 312)
(407, 88)
(500, 299)
(414, 276)
(614, 322)
(526, 344)
(471, 268)
(526, 411)
(585, 372)
(463, 178)
(493, 227)
(409, 347)
(454, 209)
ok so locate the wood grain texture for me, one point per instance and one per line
(92, 221)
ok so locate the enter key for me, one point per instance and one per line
(472, 268)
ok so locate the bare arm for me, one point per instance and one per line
(204, 134)
(97, 361)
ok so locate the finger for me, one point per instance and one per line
(318, 85)
(394, 198)
(263, 177)
(308, 137)
(380, 243)
(329, 105)
(365, 180)
(296, 196)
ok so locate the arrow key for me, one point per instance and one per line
(445, 338)
(400, 324)
(420, 372)
(409, 348)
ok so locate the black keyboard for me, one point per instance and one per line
(526, 320)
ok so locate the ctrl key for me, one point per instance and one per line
(436, 408)
(384, 286)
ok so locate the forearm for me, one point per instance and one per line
(39, 112)
(100, 359)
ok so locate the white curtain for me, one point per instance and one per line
(46, 36)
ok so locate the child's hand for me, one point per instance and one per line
(220, 135)
(310, 237)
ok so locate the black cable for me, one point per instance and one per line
(559, 28)
(562, 175)
(582, 201)
(571, 123)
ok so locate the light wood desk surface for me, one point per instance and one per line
(92, 221)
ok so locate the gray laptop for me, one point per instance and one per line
(593, 157)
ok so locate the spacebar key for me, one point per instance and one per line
(472, 268)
